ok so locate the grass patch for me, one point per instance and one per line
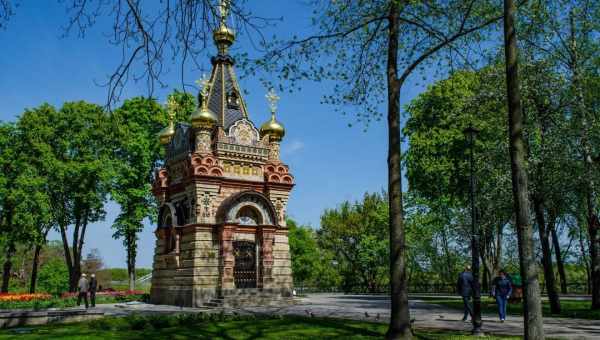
(569, 308)
(218, 326)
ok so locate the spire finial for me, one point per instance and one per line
(204, 84)
(223, 36)
(273, 98)
(224, 11)
(172, 107)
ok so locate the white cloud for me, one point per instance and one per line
(292, 147)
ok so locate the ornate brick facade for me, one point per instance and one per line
(223, 194)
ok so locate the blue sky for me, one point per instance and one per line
(331, 162)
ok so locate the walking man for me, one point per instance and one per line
(93, 286)
(83, 287)
(465, 289)
(501, 290)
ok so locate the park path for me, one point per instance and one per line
(376, 308)
(428, 315)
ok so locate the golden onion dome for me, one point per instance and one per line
(272, 128)
(165, 135)
(224, 37)
(203, 118)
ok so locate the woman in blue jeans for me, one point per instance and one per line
(501, 290)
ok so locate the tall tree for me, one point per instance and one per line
(567, 31)
(137, 152)
(71, 150)
(532, 304)
(312, 265)
(24, 203)
(358, 234)
(370, 49)
(436, 160)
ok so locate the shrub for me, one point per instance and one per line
(191, 318)
(136, 322)
(100, 324)
(54, 276)
(161, 321)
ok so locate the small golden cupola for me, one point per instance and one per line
(272, 127)
(204, 117)
(166, 134)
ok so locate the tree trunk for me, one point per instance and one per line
(76, 256)
(10, 252)
(485, 287)
(586, 263)
(68, 259)
(34, 268)
(532, 306)
(549, 278)
(399, 327)
(557, 252)
(131, 244)
(593, 227)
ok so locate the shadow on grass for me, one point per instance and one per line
(220, 327)
(228, 329)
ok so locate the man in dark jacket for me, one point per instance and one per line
(93, 286)
(465, 289)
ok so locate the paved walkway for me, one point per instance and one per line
(427, 315)
(376, 308)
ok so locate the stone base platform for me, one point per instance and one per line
(19, 318)
(239, 298)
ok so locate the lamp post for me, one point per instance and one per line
(471, 132)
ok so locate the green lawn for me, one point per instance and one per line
(217, 327)
(569, 308)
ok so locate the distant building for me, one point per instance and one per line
(223, 191)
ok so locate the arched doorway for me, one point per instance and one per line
(246, 256)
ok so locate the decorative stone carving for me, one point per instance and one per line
(274, 152)
(206, 165)
(243, 133)
(277, 173)
(203, 143)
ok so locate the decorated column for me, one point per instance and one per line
(267, 236)
(203, 120)
(227, 257)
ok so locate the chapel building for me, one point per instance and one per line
(221, 237)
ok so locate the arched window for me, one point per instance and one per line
(233, 100)
(169, 234)
(248, 216)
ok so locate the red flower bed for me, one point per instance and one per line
(9, 297)
(114, 293)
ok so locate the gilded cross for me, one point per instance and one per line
(224, 10)
(273, 98)
(204, 84)
(172, 107)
